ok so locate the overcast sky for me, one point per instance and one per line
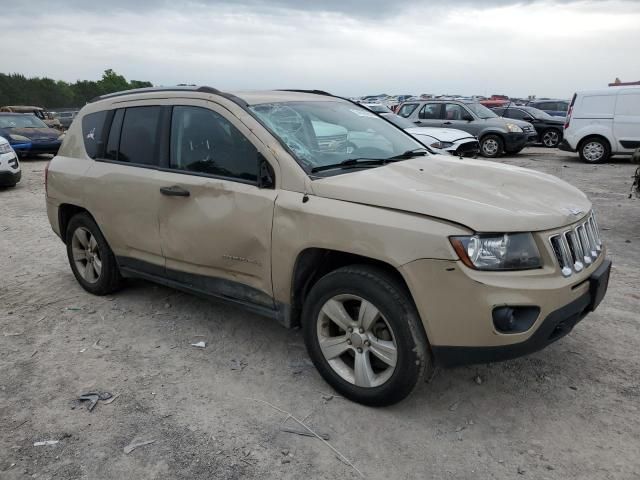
(348, 47)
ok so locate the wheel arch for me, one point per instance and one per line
(313, 263)
(66, 211)
(584, 139)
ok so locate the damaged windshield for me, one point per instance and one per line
(323, 134)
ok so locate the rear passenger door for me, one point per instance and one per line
(215, 219)
(122, 185)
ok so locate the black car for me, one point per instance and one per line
(549, 128)
(27, 134)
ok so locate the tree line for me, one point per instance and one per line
(16, 89)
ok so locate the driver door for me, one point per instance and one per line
(215, 220)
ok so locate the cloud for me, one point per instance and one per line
(538, 48)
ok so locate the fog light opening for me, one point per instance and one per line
(509, 319)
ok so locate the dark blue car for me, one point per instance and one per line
(556, 108)
(27, 134)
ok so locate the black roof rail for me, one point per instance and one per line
(315, 92)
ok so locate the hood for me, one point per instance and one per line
(34, 133)
(482, 195)
(442, 134)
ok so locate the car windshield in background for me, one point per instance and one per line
(480, 110)
(21, 121)
(329, 133)
(539, 114)
(398, 121)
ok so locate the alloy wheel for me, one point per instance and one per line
(593, 151)
(86, 255)
(551, 139)
(357, 341)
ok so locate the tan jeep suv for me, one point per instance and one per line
(310, 209)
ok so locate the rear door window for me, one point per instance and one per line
(139, 134)
(93, 133)
(430, 111)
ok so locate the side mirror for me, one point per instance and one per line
(531, 120)
(467, 117)
(266, 175)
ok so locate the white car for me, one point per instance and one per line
(9, 166)
(601, 123)
(443, 140)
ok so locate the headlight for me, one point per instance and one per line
(442, 145)
(19, 138)
(5, 148)
(513, 128)
(61, 137)
(508, 251)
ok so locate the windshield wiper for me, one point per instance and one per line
(416, 152)
(370, 162)
(352, 163)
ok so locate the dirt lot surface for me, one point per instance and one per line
(570, 411)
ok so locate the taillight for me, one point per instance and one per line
(46, 178)
(568, 120)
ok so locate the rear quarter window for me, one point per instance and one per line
(595, 105)
(93, 132)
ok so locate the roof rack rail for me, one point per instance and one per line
(316, 92)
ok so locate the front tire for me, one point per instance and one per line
(364, 335)
(90, 257)
(594, 150)
(491, 146)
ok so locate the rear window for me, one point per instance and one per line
(93, 132)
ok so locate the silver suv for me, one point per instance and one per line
(496, 135)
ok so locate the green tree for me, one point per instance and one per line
(16, 89)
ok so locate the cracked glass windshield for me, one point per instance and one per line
(322, 134)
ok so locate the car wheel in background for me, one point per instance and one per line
(364, 335)
(551, 138)
(90, 257)
(491, 146)
(594, 150)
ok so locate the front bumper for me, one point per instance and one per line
(555, 326)
(515, 141)
(456, 304)
(9, 179)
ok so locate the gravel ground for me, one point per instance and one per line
(570, 411)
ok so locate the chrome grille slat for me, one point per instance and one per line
(576, 248)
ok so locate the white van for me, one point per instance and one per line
(601, 123)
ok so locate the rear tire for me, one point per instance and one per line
(380, 361)
(491, 146)
(551, 138)
(594, 150)
(90, 257)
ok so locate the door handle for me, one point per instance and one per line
(174, 191)
(447, 123)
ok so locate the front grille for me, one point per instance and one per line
(577, 247)
(468, 149)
